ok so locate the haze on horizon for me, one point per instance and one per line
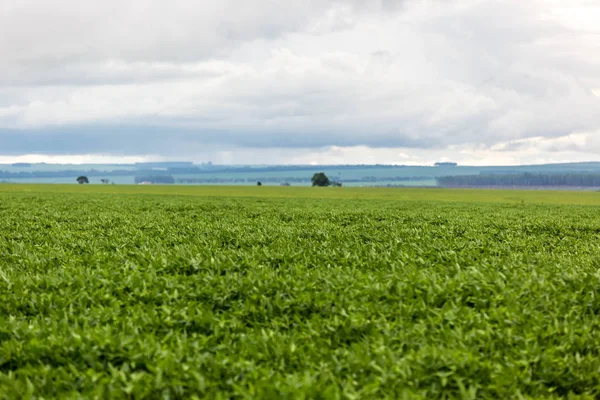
(478, 82)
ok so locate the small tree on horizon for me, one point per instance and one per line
(259, 183)
(82, 179)
(320, 179)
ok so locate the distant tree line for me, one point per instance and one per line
(67, 173)
(275, 168)
(242, 180)
(548, 172)
(295, 179)
(521, 180)
(387, 178)
(70, 173)
(162, 179)
(63, 173)
(218, 180)
(164, 164)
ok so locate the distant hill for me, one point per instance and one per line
(184, 172)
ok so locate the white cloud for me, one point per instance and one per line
(75, 159)
(428, 76)
(538, 150)
(573, 148)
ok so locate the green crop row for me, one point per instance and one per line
(338, 294)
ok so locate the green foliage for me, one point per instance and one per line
(82, 179)
(320, 179)
(526, 180)
(281, 293)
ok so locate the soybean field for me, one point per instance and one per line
(300, 293)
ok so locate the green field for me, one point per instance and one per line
(268, 292)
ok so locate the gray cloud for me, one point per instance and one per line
(177, 77)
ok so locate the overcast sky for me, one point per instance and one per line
(313, 81)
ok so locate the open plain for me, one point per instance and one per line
(274, 292)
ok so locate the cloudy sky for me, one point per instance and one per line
(311, 81)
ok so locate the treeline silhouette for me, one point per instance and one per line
(296, 179)
(166, 179)
(274, 168)
(64, 173)
(182, 168)
(522, 180)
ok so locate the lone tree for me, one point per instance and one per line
(320, 179)
(82, 179)
(259, 183)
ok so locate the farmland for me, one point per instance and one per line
(299, 175)
(245, 292)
